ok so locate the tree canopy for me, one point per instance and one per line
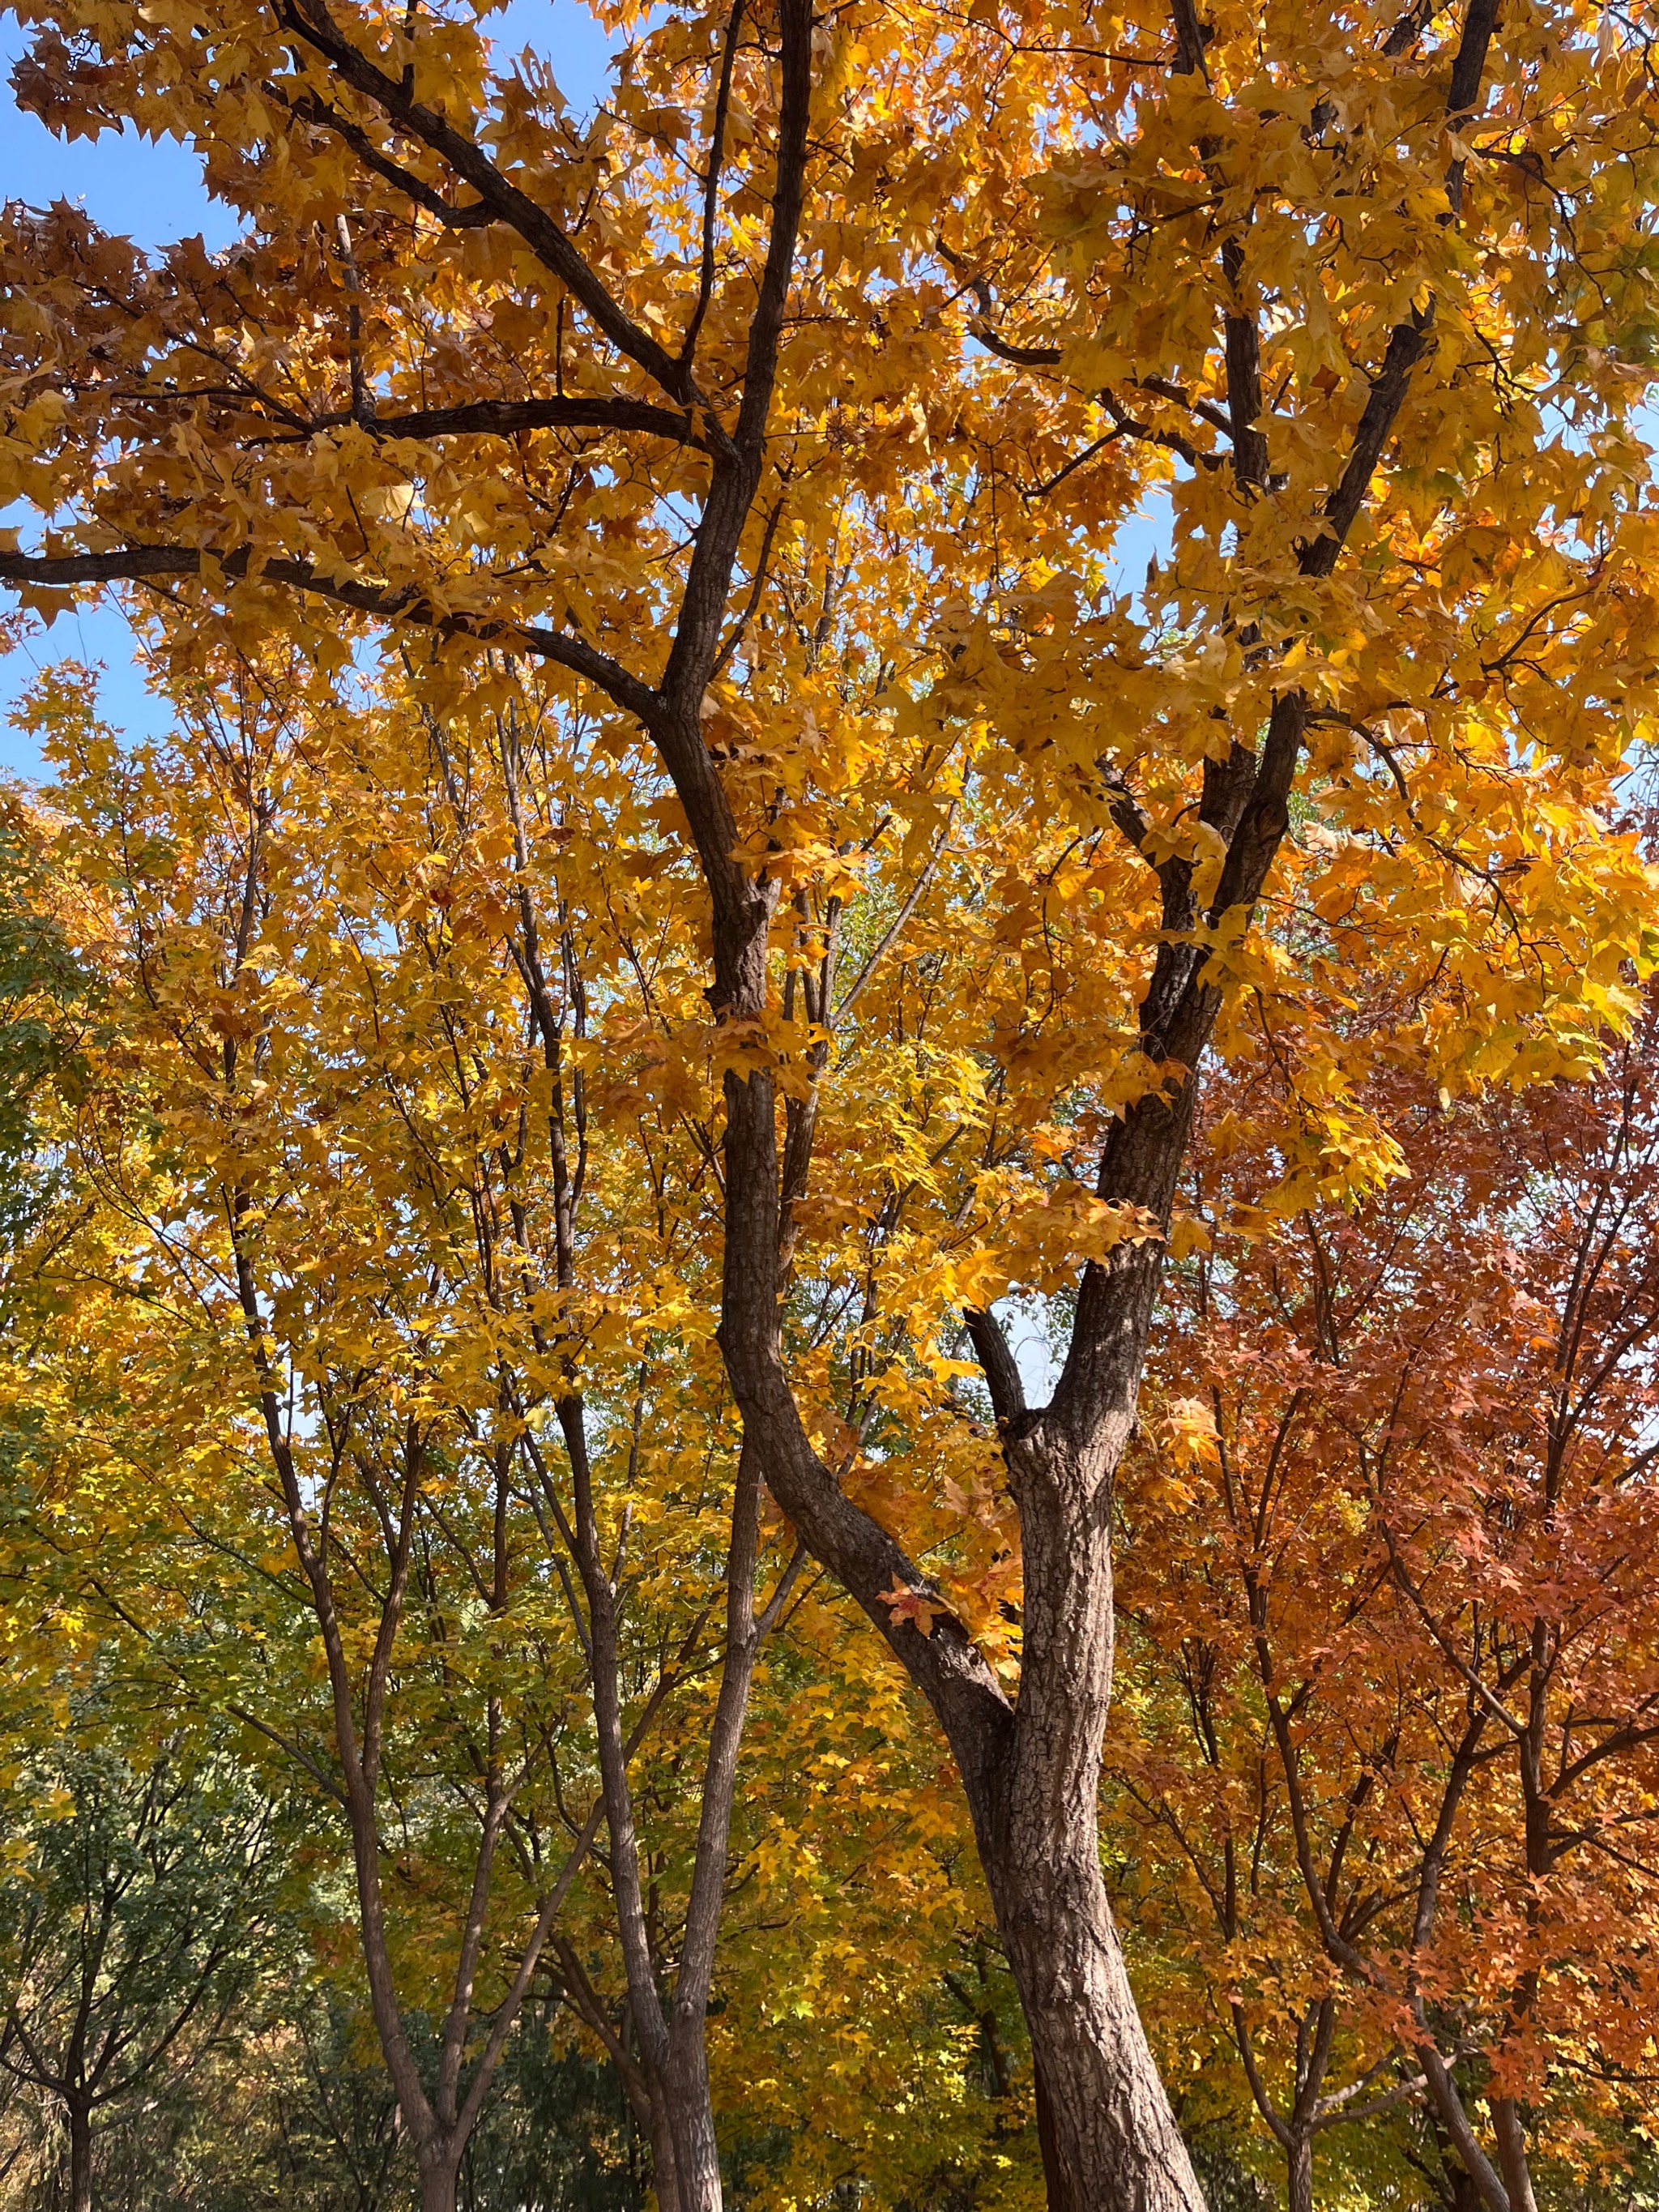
(691, 888)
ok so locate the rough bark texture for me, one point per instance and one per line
(1299, 2173)
(1109, 2135)
(665, 2174)
(691, 2125)
(438, 2184)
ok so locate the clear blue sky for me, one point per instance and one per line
(155, 194)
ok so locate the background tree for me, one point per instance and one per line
(312, 1151)
(449, 1191)
(1395, 1607)
(136, 1900)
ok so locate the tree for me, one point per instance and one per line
(404, 1255)
(134, 1905)
(1373, 300)
(1397, 1599)
(334, 1162)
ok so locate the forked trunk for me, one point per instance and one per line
(438, 2176)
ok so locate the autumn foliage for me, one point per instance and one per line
(1395, 1715)
(693, 890)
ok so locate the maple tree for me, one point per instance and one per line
(304, 1139)
(1398, 1599)
(785, 418)
(315, 1140)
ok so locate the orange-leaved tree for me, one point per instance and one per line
(1398, 1701)
(789, 415)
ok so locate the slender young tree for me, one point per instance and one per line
(436, 1332)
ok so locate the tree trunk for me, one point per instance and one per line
(1032, 1774)
(665, 2171)
(1301, 2173)
(1512, 2155)
(438, 2172)
(80, 2128)
(691, 2121)
(1109, 2139)
(1460, 2191)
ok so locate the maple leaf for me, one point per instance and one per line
(919, 1607)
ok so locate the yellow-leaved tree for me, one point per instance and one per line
(787, 418)
(379, 1189)
(322, 1188)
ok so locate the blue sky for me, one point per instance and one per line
(154, 193)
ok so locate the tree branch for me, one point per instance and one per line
(507, 418)
(310, 23)
(145, 564)
(996, 1359)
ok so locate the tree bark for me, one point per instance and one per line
(1300, 2173)
(664, 2172)
(697, 2184)
(438, 2172)
(80, 2128)
(1109, 2139)
(1512, 2155)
